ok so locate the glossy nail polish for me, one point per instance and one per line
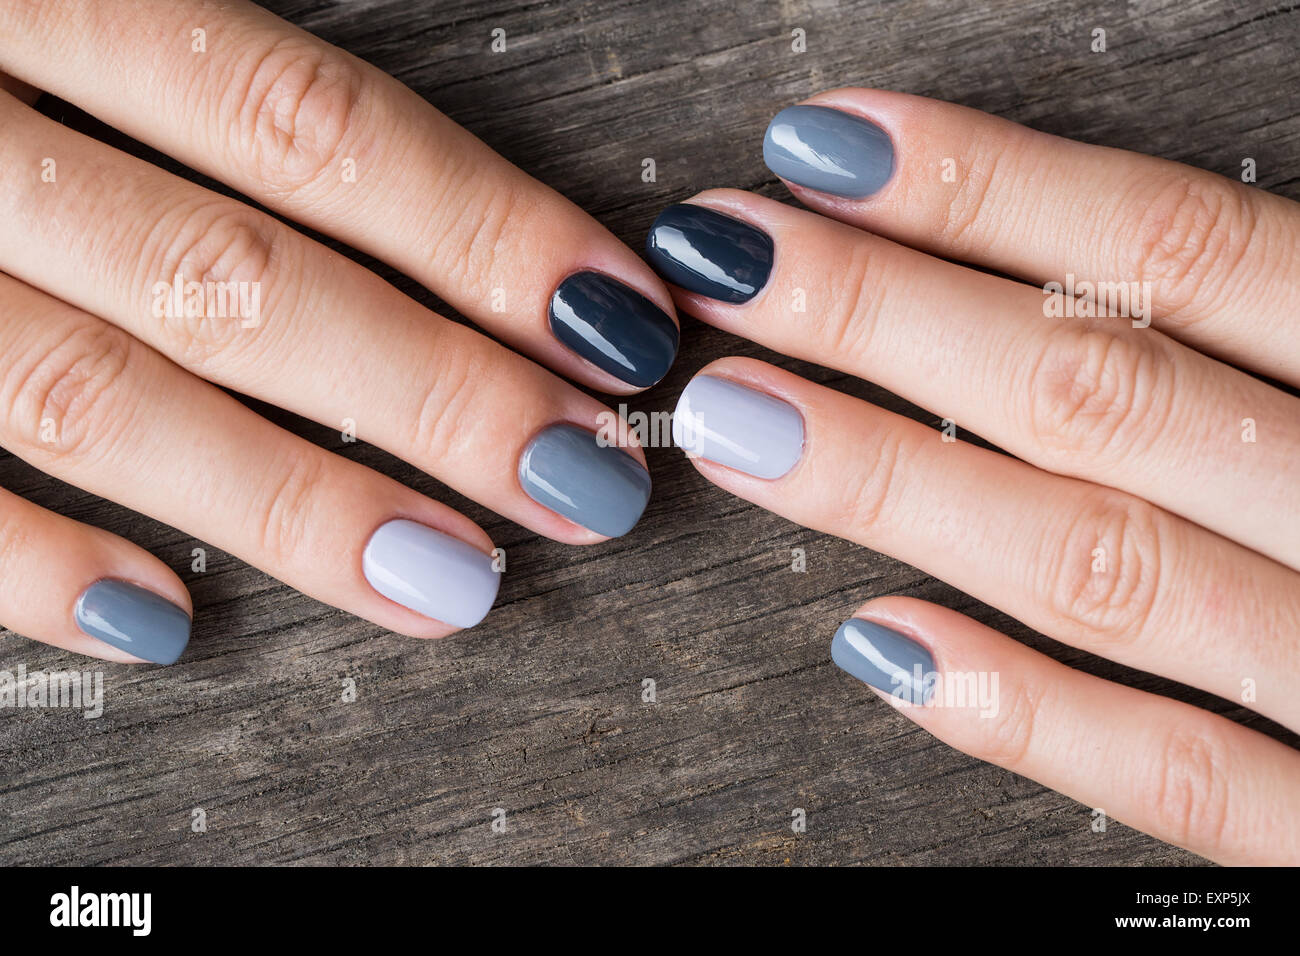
(133, 619)
(885, 659)
(432, 573)
(614, 327)
(739, 427)
(599, 487)
(828, 150)
(708, 253)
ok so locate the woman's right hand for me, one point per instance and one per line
(107, 384)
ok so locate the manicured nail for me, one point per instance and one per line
(827, 150)
(133, 619)
(614, 327)
(430, 572)
(885, 659)
(738, 427)
(598, 486)
(708, 253)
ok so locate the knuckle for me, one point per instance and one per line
(1187, 785)
(973, 210)
(222, 255)
(65, 397)
(296, 103)
(845, 326)
(15, 539)
(285, 514)
(471, 237)
(1010, 735)
(1105, 570)
(1192, 233)
(1093, 396)
(866, 498)
(445, 406)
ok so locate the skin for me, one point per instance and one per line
(1120, 438)
(133, 399)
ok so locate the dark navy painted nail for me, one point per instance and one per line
(885, 659)
(600, 487)
(134, 619)
(830, 151)
(710, 254)
(614, 327)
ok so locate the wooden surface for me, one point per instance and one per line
(539, 711)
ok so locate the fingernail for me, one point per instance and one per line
(885, 659)
(738, 427)
(710, 254)
(133, 619)
(597, 486)
(430, 572)
(614, 327)
(827, 150)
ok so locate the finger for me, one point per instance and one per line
(1096, 399)
(1177, 772)
(85, 590)
(1094, 567)
(1215, 257)
(90, 405)
(240, 299)
(336, 144)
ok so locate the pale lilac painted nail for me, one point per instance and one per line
(739, 427)
(431, 573)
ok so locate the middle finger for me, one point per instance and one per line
(313, 332)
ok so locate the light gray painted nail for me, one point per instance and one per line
(885, 659)
(738, 427)
(133, 619)
(597, 486)
(430, 572)
(828, 150)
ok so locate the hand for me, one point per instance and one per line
(1150, 514)
(128, 287)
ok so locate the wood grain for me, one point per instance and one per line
(539, 711)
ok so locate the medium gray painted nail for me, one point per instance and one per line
(133, 619)
(599, 487)
(885, 659)
(430, 572)
(738, 427)
(830, 151)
